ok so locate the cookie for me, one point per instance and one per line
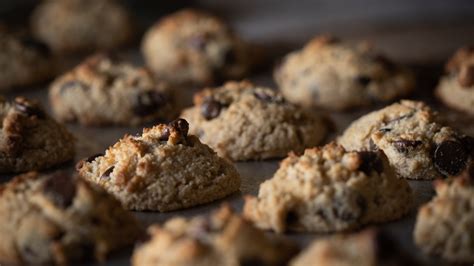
(337, 75)
(222, 238)
(445, 225)
(163, 169)
(456, 87)
(105, 90)
(30, 139)
(56, 219)
(329, 189)
(194, 47)
(24, 61)
(242, 121)
(367, 248)
(417, 145)
(77, 26)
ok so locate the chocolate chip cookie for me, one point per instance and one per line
(223, 238)
(456, 87)
(24, 61)
(194, 47)
(417, 145)
(164, 169)
(337, 75)
(242, 121)
(105, 90)
(74, 26)
(445, 225)
(367, 248)
(329, 189)
(59, 219)
(30, 139)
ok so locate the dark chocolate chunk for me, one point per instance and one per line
(370, 161)
(450, 157)
(60, 189)
(28, 108)
(405, 146)
(180, 125)
(291, 218)
(148, 102)
(210, 108)
(106, 173)
(267, 97)
(364, 80)
(385, 130)
(165, 135)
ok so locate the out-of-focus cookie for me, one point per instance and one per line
(223, 238)
(72, 26)
(445, 225)
(30, 139)
(59, 219)
(163, 169)
(194, 47)
(337, 75)
(24, 61)
(105, 90)
(417, 145)
(243, 121)
(456, 87)
(329, 189)
(367, 248)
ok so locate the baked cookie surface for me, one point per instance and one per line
(30, 139)
(194, 47)
(222, 238)
(416, 143)
(59, 219)
(164, 169)
(104, 90)
(329, 189)
(456, 87)
(336, 75)
(242, 121)
(445, 225)
(24, 61)
(74, 26)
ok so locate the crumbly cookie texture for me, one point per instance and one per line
(30, 139)
(332, 74)
(58, 219)
(242, 121)
(417, 145)
(367, 248)
(194, 47)
(445, 225)
(24, 61)
(76, 26)
(222, 238)
(456, 87)
(329, 189)
(164, 169)
(105, 90)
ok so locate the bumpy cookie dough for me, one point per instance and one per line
(417, 145)
(30, 139)
(58, 219)
(105, 90)
(23, 61)
(243, 121)
(71, 26)
(164, 169)
(367, 248)
(445, 225)
(329, 189)
(332, 74)
(223, 238)
(456, 87)
(193, 47)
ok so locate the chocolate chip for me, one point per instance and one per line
(165, 135)
(60, 189)
(267, 97)
(180, 125)
(35, 44)
(405, 146)
(106, 173)
(291, 218)
(370, 161)
(210, 108)
(92, 157)
(148, 102)
(28, 108)
(450, 157)
(364, 80)
(73, 84)
(385, 130)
